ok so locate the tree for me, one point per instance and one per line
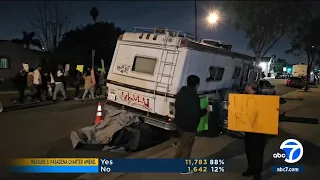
(28, 38)
(307, 41)
(49, 24)
(265, 23)
(94, 13)
(76, 45)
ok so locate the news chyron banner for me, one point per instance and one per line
(96, 165)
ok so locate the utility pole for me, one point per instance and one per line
(195, 20)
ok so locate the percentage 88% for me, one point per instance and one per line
(216, 162)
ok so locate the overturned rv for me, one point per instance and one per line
(150, 65)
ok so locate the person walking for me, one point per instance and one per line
(21, 83)
(76, 84)
(59, 86)
(187, 116)
(98, 89)
(254, 144)
(30, 84)
(88, 86)
(37, 82)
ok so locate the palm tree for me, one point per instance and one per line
(28, 38)
(94, 13)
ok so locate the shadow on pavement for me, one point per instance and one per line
(299, 120)
(238, 165)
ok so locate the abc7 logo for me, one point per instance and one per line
(280, 154)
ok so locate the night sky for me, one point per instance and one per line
(177, 15)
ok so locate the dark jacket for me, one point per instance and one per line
(21, 79)
(187, 110)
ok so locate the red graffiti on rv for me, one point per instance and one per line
(136, 99)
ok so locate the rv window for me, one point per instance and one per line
(144, 65)
(215, 74)
(237, 71)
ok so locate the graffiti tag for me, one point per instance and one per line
(123, 68)
(136, 100)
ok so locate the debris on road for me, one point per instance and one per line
(120, 131)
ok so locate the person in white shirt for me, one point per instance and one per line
(59, 86)
(37, 82)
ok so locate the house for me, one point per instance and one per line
(12, 55)
(265, 65)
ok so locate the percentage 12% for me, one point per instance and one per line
(217, 162)
(217, 169)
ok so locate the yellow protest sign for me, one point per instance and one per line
(80, 68)
(253, 113)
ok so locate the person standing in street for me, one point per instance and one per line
(98, 89)
(254, 144)
(37, 82)
(21, 83)
(187, 116)
(59, 86)
(88, 85)
(76, 84)
(30, 84)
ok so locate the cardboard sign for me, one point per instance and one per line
(25, 67)
(67, 68)
(253, 113)
(80, 68)
(203, 125)
(102, 65)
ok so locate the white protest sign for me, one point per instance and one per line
(67, 68)
(25, 67)
(102, 64)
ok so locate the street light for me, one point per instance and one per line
(213, 18)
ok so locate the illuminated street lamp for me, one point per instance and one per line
(213, 18)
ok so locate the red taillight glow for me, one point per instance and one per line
(170, 120)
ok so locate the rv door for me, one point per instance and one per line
(253, 75)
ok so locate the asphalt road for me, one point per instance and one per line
(44, 131)
(280, 85)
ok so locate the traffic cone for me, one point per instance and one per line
(99, 114)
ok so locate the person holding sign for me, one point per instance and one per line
(254, 142)
(187, 116)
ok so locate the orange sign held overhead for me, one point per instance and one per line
(253, 113)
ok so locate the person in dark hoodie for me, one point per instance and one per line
(254, 144)
(21, 84)
(187, 116)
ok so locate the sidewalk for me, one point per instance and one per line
(232, 150)
(309, 107)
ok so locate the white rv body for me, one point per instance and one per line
(148, 69)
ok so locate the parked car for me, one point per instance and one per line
(266, 88)
(295, 82)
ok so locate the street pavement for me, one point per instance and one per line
(280, 85)
(44, 132)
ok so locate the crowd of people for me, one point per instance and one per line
(45, 85)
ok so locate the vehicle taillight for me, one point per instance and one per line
(170, 120)
(289, 81)
(183, 42)
(171, 108)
